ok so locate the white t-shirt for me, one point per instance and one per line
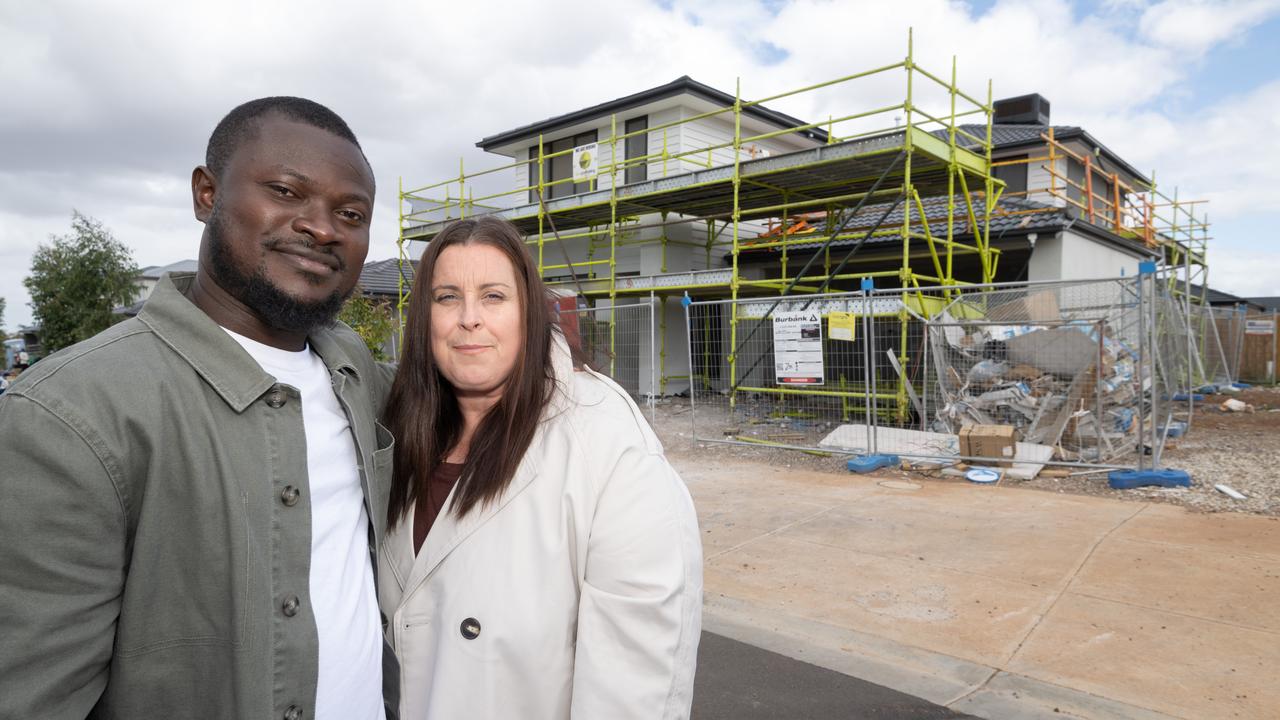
(349, 683)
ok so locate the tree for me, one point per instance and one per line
(76, 280)
(3, 335)
(371, 320)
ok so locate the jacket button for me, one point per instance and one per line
(276, 398)
(293, 713)
(290, 606)
(289, 495)
(470, 628)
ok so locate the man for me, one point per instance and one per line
(190, 499)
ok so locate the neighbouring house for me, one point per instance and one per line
(1220, 299)
(380, 281)
(146, 281)
(149, 276)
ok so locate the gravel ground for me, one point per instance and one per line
(1241, 450)
(675, 428)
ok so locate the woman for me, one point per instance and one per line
(544, 558)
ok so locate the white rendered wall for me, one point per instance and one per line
(1071, 256)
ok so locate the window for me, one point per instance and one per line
(558, 168)
(636, 147)
(1075, 174)
(1014, 176)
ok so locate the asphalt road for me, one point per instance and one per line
(736, 681)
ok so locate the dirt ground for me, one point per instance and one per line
(1238, 449)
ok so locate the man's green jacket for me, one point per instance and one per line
(155, 518)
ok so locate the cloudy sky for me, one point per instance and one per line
(108, 105)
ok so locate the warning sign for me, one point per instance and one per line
(797, 348)
(842, 325)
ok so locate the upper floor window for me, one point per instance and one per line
(1075, 181)
(637, 146)
(1014, 175)
(557, 168)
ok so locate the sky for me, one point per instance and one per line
(109, 104)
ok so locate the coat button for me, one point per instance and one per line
(276, 398)
(470, 628)
(290, 606)
(293, 713)
(289, 495)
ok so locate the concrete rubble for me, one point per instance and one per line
(1066, 381)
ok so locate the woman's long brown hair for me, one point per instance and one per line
(422, 411)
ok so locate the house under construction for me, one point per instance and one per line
(684, 190)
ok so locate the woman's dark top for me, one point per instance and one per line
(439, 485)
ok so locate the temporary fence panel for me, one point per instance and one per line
(1213, 358)
(1066, 371)
(1067, 367)
(1229, 322)
(777, 371)
(619, 341)
(1178, 364)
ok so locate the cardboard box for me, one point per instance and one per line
(990, 441)
(1037, 307)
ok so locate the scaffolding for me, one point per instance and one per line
(895, 190)
(1175, 228)
(718, 205)
(1133, 209)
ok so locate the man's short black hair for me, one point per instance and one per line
(242, 123)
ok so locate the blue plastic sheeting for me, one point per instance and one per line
(1129, 479)
(871, 463)
(1183, 397)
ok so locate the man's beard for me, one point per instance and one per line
(276, 308)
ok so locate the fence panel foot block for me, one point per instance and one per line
(871, 463)
(1128, 479)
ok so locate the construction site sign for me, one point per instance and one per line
(585, 162)
(797, 348)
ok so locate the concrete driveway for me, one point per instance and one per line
(996, 601)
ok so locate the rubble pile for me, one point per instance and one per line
(1066, 381)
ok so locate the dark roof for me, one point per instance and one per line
(1013, 135)
(1267, 303)
(1006, 137)
(129, 310)
(1013, 215)
(680, 86)
(155, 271)
(1218, 297)
(382, 277)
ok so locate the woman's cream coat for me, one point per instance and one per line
(584, 579)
